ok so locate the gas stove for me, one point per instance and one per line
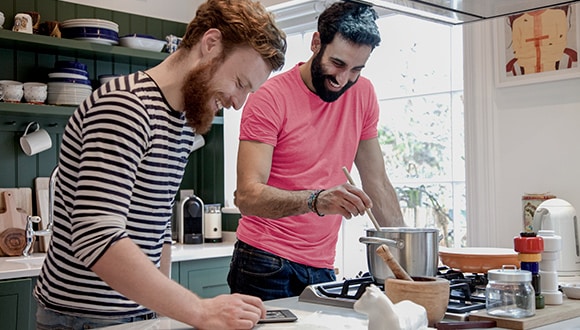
(466, 291)
(339, 294)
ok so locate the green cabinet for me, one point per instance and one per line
(205, 277)
(17, 306)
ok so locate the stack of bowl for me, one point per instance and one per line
(68, 83)
(91, 29)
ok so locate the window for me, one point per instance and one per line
(418, 76)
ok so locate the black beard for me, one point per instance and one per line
(319, 77)
(197, 92)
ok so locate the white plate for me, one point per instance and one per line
(571, 290)
(92, 22)
(66, 75)
(64, 99)
(150, 44)
(99, 41)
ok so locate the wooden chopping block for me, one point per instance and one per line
(12, 242)
(12, 226)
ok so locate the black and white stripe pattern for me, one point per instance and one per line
(122, 159)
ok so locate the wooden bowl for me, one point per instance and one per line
(429, 292)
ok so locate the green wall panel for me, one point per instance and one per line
(204, 172)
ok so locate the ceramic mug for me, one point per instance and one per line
(35, 92)
(36, 141)
(11, 91)
(22, 23)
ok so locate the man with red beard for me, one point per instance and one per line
(297, 132)
(122, 159)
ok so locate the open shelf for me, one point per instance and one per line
(31, 110)
(76, 48)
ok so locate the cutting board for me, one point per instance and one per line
(17, 205)
(22, 198)
(548, 315)
(41, 191)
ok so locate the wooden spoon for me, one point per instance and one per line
(393, 264)
(369, 212)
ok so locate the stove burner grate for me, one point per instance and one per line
(466, 291)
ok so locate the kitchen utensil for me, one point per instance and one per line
(12, 242)
(393, 264)
(530, 203)
(429, 292)
(549, 266)
(212, 223)
(36, 141)
(509, 293)
(369, 212)
(571, 290)
(22, 199)
(12, 225)
(477, 259)
(570, 308)
(141, 41)
(190, 219)
(415, 250)
(22, 23)
(41, 191)
(13, 216)
(12, 91)
(452, 325)
(35, 92)
(560, 216)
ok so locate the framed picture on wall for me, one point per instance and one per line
(538, 46)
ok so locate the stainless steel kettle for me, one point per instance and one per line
(560, 216)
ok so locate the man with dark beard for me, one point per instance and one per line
(122, 159)
(297, 132)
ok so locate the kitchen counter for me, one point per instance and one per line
(17, 267)
(310, 316)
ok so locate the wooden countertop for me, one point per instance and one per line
(18, 267)
(550, 314)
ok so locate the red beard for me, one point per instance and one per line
(197, 93)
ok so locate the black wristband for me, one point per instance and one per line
(314, 200)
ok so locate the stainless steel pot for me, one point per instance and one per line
(416, 250)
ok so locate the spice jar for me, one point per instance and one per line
(509, 293)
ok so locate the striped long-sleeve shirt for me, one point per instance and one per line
(122, 159)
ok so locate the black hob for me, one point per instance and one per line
(466, 293)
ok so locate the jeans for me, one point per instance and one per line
(47, 319)
(262, 274)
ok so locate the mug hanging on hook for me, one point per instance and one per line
(36, 141)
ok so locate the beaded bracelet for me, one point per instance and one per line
(312, 199)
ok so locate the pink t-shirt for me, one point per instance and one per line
(312, 141)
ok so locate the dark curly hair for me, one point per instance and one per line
(241, 22)
(354, 21)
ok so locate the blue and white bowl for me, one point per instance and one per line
(70, 65)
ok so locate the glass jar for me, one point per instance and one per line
(509, 293)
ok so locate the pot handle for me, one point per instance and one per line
(399, 244)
